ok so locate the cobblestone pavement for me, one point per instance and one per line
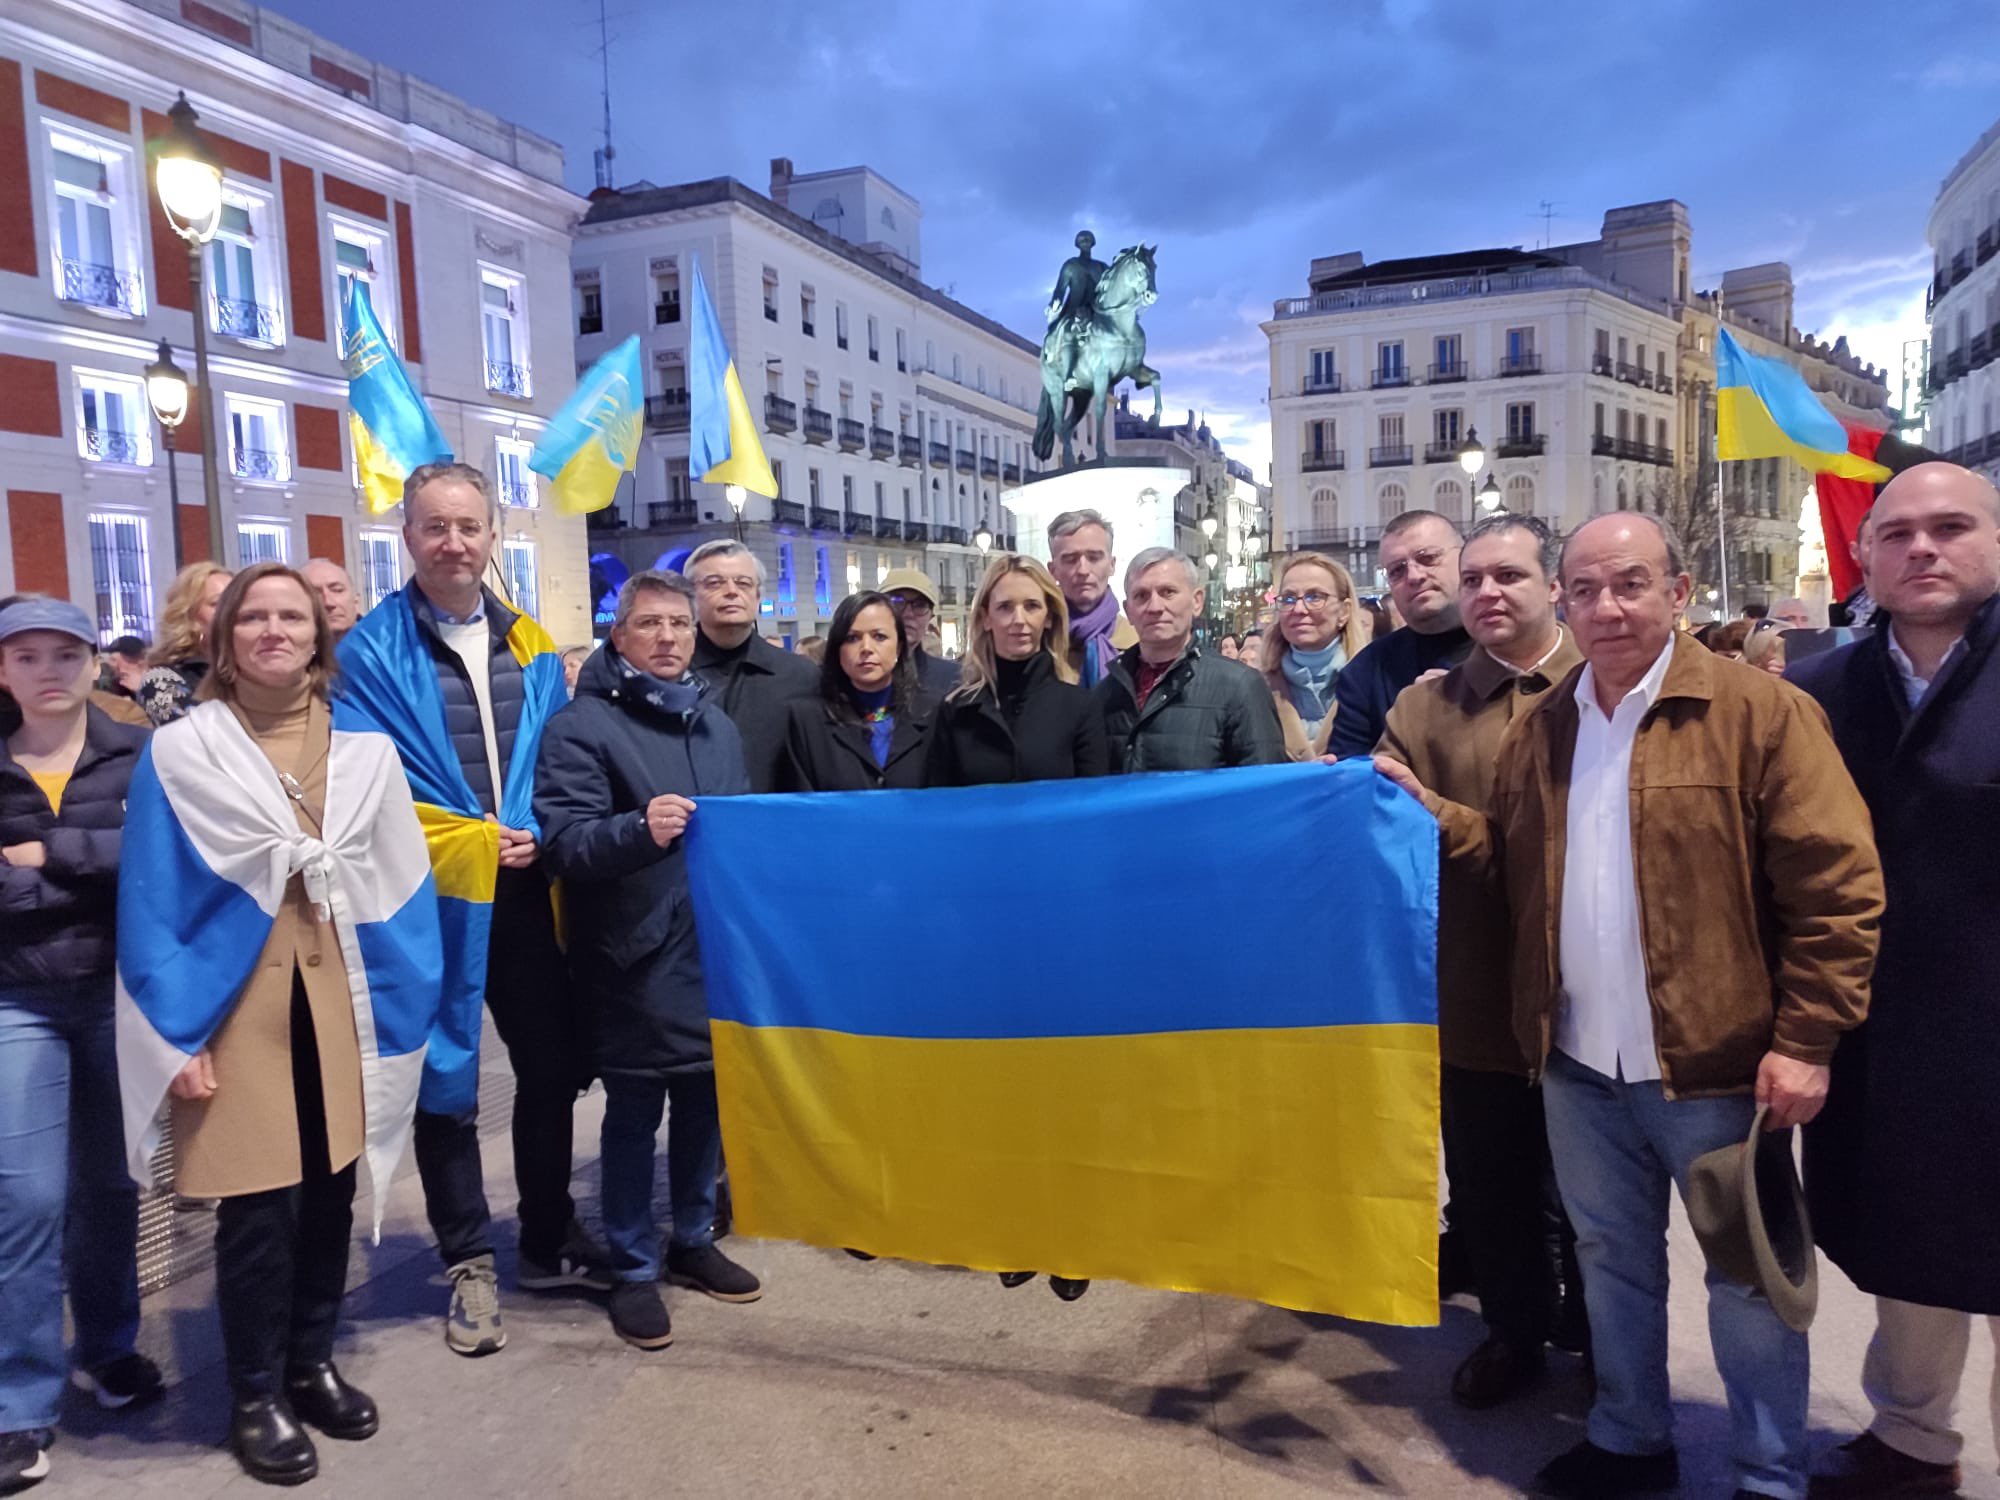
(887, 1380)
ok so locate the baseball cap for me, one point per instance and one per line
(910, 580)
(47, 614)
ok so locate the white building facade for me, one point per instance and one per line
(1963, 419)
(336, 169)
(894, 417)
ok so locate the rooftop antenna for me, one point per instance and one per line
(607, 152)
(1548, 214)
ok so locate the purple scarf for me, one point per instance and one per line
(1093, 630)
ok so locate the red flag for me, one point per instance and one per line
(1842, 504)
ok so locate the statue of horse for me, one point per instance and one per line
(1085, 357)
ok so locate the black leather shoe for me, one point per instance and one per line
(1011, 1279)
(1588, 1472)
(1496, 1371)
(323, 1400)
(1068, 1287)
(269, 1443)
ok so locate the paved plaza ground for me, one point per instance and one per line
(888, 1380)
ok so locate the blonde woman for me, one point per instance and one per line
(1318, 629)
(180, 657)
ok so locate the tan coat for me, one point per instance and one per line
(1448, 730)
(245, 1138)
(1759, 888)
(1124, 636)
(1299, 745)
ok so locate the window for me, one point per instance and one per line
(1521, 495)
(381, 564)
(847, 400)
(1445, 427)
(930, 356)
(907, 516)
(812, 486)
(958, 369)
(241, 289)
(522, 584)
(667, 291)
(1391, 430)
(1624, 425)
(263, 541)
(840, 325)
(1520, 421)
(257, 447)
(1660, 372)
(1390, 502)
(1660, 433)
(504, 333)
(770, 295)
(1322, 437)
(1003, 387)
(96, 211)
(847, 493)
(902, 352)
(878, 497)
(1598, 408)
(1323, 377)
(1642, 359)
(979, 379)
(807, 303)
(112, 420)
(1520, 345)
(823, 582)
(1389, 361)
(589, 304)
(1448, 499)
(119, 575)
(361, 258)
(1624, 351)
(516, 481)
(1325, 510)
(1449, 355)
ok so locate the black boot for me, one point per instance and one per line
(1016, 1278)
(1068, 1288)
(322, 1399)
(269, 1442)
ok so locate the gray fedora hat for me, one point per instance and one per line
(1749, 1212)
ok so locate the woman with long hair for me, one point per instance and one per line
(179, 660)
(867, 727)
(279, 941)
(1320, 627)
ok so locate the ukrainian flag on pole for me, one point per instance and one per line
(723, 446)
(394, 432)
(593, 442)
(1764, 409)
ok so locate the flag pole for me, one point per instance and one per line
(1721, 529)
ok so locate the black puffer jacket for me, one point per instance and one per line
(755, 685)
(461, 707)
(625, 740)
(1030, 726)
(57, 923)
(827, 751)
(1208, 711)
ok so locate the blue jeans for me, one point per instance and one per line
(68, 1208)
(1618, 1147)
(633, 1108)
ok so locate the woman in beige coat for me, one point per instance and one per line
(1318, 629)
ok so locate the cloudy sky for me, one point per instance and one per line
(1247, 138)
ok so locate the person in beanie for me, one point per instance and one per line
(1081, 560)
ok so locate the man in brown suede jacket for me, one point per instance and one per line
(1696, 899)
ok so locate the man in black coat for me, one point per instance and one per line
(1166, 706)
(753, 680)
(1903, 1166)
(619, 771)
(1420, 558)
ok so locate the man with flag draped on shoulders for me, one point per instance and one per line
(465, 685)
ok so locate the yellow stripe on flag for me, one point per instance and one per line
(1745, 428)
(746, 464)
(465, 853)
(381, 476)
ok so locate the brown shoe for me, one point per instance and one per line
(1866, 1468)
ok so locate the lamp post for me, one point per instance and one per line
(1210, 522)
(737, 497)
(189, 178)
(1472, 458)
(982, 538)
(1489, 496)
(1210, 561)
(167, 394)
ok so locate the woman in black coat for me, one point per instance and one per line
(1019, 714)
(868, 728)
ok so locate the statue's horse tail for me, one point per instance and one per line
(1045, 426)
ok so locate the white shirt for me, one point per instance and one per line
(1914, 687)
(1605, 1018)
(473, 642)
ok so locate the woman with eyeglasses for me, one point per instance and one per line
(1320, 628)
(868, 727)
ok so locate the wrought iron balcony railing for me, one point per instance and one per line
(519, 493)
(92, 285)
(909, 450)
(819, 425)
(853, 435)
(1322, 460)
(668, 412)
(252, 321)
(258, 463)
(109, 446)
(881, 443)
(781, 415)
(1389, 456)
(1521, 364)
(504, 379)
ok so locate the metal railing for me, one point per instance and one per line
(916, 531)
(853, 435)
(859, 524)
(787, 513)
(667, 309)
(954, 535)
(989, 466)
(670, 512)
(1324, 385)
(770, 313)
(608, 519)
(909, 450)
(258, 463)
(1629, 373)
(1600, 444)
(1010, 473)
(504, 379)
(966, 460)
(819, 425)
(1520, 364)
(941, 455)
(1444, 288)
(519, 493)
(881, 443)
(889, 529)
(1383, 379)
(588, 324)
(824, 518)
(1522, 445)
(1440, 374)
(1323, 460)
(1600, 364)
(1388, 457)
(1664, 384)
(1443, 452)
(780, 415)
(245, 320)
(1988, 239)
(668, 412)
(93, 285)
(109, 446)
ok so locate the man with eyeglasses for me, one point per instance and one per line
(1420, 559)
(1448, 731)
(914, 598)
(754, 680)
(1696, 900)
(446, 651)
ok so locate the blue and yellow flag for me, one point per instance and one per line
(388, 683)
(593, 441)
(723, 446)
(1764, 409)
(1051, 1070)
(394, 431)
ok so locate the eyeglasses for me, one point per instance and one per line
(911, 604)
(715, 583)
(1427, 559)
(1313, 599)
(438, 528)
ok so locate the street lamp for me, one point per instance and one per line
(1489, 495)
(983, 538)
(167, 394)
(189, 178)
(1472, 458)
(737, 497)
(1210, 522)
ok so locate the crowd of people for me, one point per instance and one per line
(1687, 891)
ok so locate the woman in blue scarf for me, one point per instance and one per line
(868, 728)
(1318, 630)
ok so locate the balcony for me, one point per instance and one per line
(1520, 364)
(888, 529)
(770, 312)
(252, 322)
(519, 493)
(1384, 379)
(952, 535)
(947, 593)
(668, 309)
(881, 443)
(1956, 364)
(1443, 453)
(819, 425)
(1601, 445)
(940, 455)
(860, 525)
(806, 327)
(1630, 374)
(967, 460)
(1322, 460)
(1441, 374)
(589, 323)
(1988, 239)
(671, 513)
(668, 412)
(92, 285)
(1322, 385)
(989, 467)
(780, 415)
(1934, 382)
(608, 519)
(1389, 457)
(1961, 267)
(112, 447)
(1632, 449)
(1982, 351)
(1663, 383)
(853, 435)
(504, 379)
(787, 513)
(261, 464)
(1600, 364)
(1335, 538)
(909, 450)
(1010, 472)
(824, 519)
(1522, 445)
(916, 531)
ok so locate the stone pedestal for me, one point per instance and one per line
(1135, 496)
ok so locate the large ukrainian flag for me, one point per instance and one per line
(1764, 409)
(394, 431)
(1021, 1028)
(593, 441)
(723, 446)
